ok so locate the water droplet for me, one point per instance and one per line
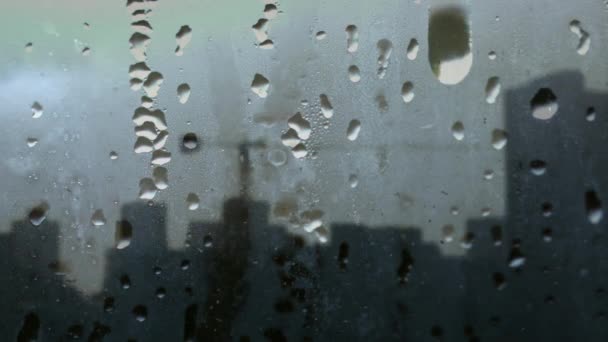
(299, 151)
(354, 75)
(352, 132)
(300, 125)
(183, 37)
(488, 174)
(499, 139)
(499, 281)
(412, 49)
(153, 83)
(544, 104)
(268, 44)
(584, 39)
(160, 140)
(538, 167)
(260, 30)
(407, 92)
(31, 142)
(142, 26)
(270, 11)
(140, 312)
(321, 35)
(143, 145)
(322, 234)
(311, 220)
(161, 177)
(37, 110)
(447, 233)
(458, 130)
(492, 89)
(146, 130)
(123, 234)
(385, 48)
(139, 70)
(98, 218)
(147, 189)
(125, 282)
(29, 47)
(595, 212)
(492, 55)
(138, 45)
(449, 40)
(38, 214)
(183, 93)
(190, 141)
(86, 51)
(326, 108)
(277, 157)
(192, 201)
(160, 157)
(290, 138)
(260, 85)
(161, 293)
(208, 241)
(590, 115)
(353, 181)
(352, 38)
(113, 155)
(157, 117)
(547, 235)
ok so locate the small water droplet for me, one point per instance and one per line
(140, 312)
(147, 189)
(183, 93)
(270, 11)
(538, 167)
(458, 130)
(31, 142)
(183, 37)
(412, 49)
(352, 132)
(354, 75)
(161, 177)
(37, 110)
(299, 124)
(192, 201)
(407, 92)
(385, 48)
(584, 39)
(190, 141)
(326, 108)
(352, 38)
(38, 214)
(260, 85)
(123, 234)
(113, 155)
(544, 104)
(321, 35)
(353, 181)
(492, 89)
(98, 218)
(499, 139)
(595, 212)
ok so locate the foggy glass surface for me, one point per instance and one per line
(304, 170)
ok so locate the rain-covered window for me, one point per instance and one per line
(339, 170)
